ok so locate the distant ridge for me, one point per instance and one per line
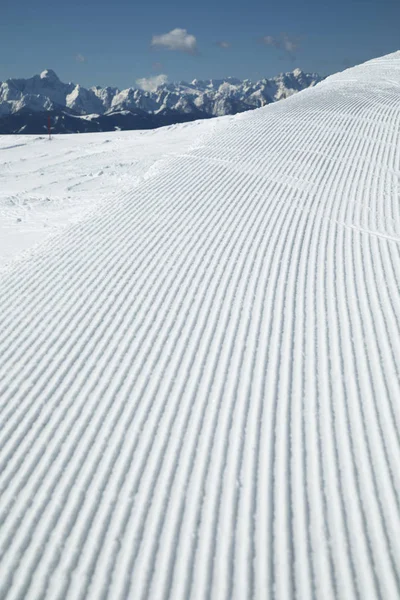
(25, 103)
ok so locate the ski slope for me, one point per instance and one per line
(199, 379)
(45, 187)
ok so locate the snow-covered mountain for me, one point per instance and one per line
(186, 101)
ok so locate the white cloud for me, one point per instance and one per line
(80, 58)
(150, 84)
(290, 44)
(224, 44)
(270, 40)
(177, 39)
(283, 42)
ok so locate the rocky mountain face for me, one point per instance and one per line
(25, 103)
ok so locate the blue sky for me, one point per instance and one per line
(91, 42)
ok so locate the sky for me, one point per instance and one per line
(134, 43)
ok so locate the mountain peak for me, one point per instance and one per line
(201, 98)
(297, 72)
(49, 74)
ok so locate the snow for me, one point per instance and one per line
(42, 91)
(49, 74)
(199, 378)
(48, 185)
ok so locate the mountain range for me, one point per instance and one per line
(25, 104)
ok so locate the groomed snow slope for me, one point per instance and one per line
(45, 187)
(200, 382)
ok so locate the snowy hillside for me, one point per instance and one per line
(46, 186)
(23, 102)
(200, 377)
